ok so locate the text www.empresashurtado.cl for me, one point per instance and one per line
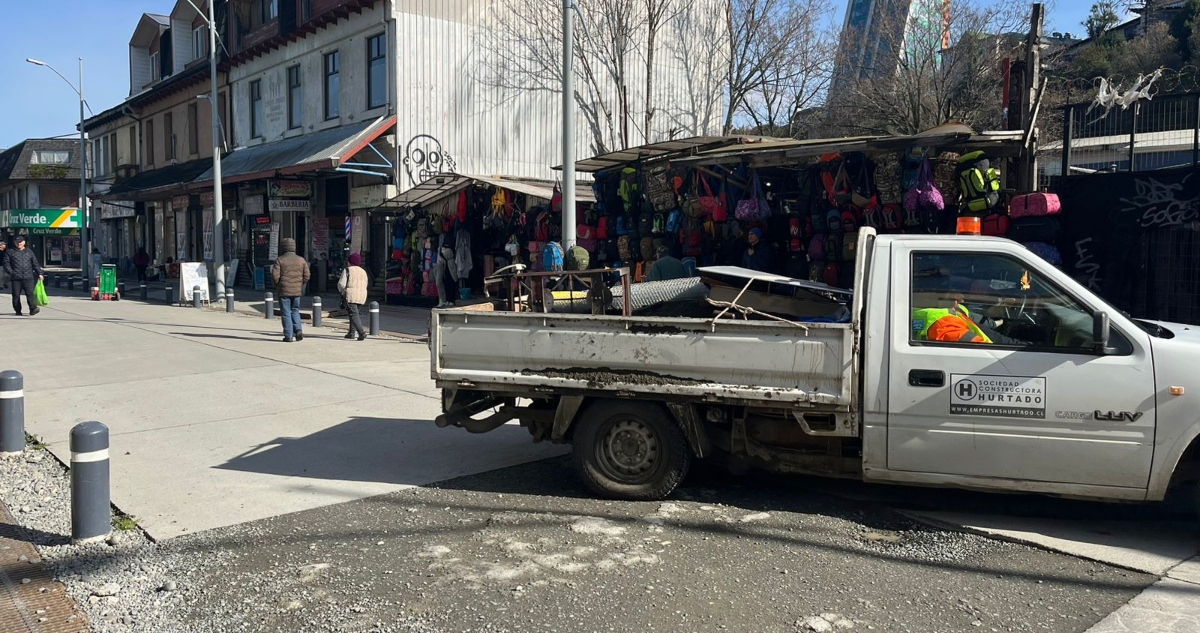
(998, 396)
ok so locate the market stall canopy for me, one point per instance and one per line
(318, 151)
(674, 147)
(764, 151)
(157, 183)
(442, 185)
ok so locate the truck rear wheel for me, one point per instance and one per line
(630, 450)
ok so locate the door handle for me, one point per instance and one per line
(926, 378)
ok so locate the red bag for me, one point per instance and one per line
(995, 224)
(585, 232)
(711, 206)
(602, 228)
(833, 274)
(1035, 204)
(462, 206)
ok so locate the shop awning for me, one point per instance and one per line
(682, 146)
(318, 151)
(157, 184)
(443, 185)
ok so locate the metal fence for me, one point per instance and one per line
(1147, 135)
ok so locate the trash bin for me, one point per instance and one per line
(108, 282)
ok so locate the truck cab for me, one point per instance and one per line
(1062, 393)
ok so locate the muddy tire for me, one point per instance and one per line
(629, 450)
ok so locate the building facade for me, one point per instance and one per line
(39, 198)
(331, 107)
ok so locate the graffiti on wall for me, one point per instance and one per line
(424, 158)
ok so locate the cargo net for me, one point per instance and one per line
(651, 294)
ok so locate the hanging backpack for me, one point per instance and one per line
(646, 247)
(753, 208)
(833, 220)
(795, 235)
(816, 248)
(832, 274)
(849, 221)
(835, 180)
(833, 247)
(578, 258)
(891, 216)
(706, 204)
(657, 187)
(849, 247)
(978, 182)
(552, 257)
(602, 227)
(673, 220)
(645, 224)
(542, 228)
(658, 224)
(612, 254)
(819, 217)
(625, 249)
(630, 189)
(691, 238)
(816, 270)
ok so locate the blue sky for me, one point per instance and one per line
(36, 103)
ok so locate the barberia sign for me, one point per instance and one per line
(290, 189)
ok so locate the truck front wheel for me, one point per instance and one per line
(630, 450)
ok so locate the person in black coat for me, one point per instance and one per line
(24, 271)
(758, 254)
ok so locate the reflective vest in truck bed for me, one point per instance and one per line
(953, 326)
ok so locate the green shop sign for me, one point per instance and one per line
(40, 218)
(63, 232)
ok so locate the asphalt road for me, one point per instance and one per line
(524, 549)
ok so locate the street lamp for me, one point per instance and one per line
(84, 207)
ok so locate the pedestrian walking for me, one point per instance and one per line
(3, 259)
(291, 275)
(141, 261)
(353, 286)
(24, 272)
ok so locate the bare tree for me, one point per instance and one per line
(797, 80)
(699, 49)
(659, 15)
(914, 81)
(765, 38)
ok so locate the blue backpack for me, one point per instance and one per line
(552, 257)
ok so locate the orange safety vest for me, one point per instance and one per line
(939, 324)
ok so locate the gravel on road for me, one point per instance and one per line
(525, 549)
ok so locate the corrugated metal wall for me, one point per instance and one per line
(478, 90)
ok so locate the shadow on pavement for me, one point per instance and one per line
(360, 449)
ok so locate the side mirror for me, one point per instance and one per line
(1100, 333)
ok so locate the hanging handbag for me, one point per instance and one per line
(753, 208)
(710, 205)
(924, 196)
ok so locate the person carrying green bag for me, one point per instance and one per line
(25, 274)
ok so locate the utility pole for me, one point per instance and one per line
(1031, 99)
(85, 210)
(218, 199)
(568, 147)
(84, 207)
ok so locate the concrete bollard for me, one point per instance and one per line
(70, 283)
(373, 307)
(91, 518)
(269, 305)
(145, 291)
(229, 299)
(121, 290)
(58, 281)
(196, 297)
(316, 311)
(167, 296)
(12, 413)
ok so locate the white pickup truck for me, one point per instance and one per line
(1062, 395)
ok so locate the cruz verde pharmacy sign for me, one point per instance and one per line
(40, 218)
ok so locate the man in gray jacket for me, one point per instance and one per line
(24, 272)
(290, 274)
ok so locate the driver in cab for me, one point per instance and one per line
(955, 324)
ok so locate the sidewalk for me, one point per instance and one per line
(397, 321)
(31, 601)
